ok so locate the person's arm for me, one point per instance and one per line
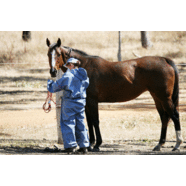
(60, 84)
(51, 86)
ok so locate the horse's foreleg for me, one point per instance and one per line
(93, 120)
(98, 134)
(90, 128)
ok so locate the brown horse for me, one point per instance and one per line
(124, 81)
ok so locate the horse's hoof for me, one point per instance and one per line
(176, 149)
(157, 148)
(90, 149)
(96, 149)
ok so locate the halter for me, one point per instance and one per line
(69, 52)
(53, 59)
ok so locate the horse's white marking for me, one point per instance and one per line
(53, 54)
(179, 139)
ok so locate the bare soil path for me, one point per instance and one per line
(124, 131)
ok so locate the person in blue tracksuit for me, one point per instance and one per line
(74, 82)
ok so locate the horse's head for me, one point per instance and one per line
(57, 56)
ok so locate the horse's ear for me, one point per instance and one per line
(47, 42)
(59, 42)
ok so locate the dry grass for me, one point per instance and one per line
(101, 43)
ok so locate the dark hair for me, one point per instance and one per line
(77, 64)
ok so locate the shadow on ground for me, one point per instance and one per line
(37, 147)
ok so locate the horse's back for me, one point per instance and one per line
(115, 81)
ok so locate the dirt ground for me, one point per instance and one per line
(124, 131)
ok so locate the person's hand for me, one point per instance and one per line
(52, 78)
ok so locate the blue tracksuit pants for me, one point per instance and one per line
(73, 130)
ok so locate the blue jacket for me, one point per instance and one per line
(74, 83)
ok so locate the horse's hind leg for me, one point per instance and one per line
(170, 108)
(164, 119)
(177, 126)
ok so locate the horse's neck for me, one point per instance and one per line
(80, 57)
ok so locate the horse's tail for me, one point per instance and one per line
(175, 95)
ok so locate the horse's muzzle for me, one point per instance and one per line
(53, 72)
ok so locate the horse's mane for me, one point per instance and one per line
(81, 52)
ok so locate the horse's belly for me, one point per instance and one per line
(120, 95)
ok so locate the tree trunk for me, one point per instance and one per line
(26, 36)
(145, 40)
(58, 109)
(119, 48)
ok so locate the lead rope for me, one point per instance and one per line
(48, 99)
